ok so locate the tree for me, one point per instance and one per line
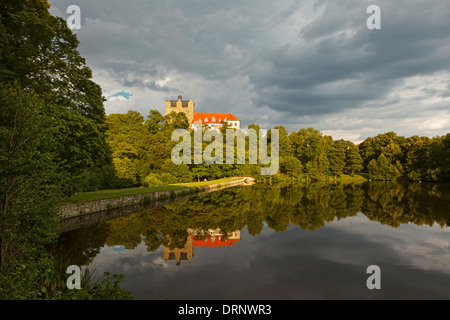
(388, 143)
(291, 166)
(383, 167)
(180, 172)
(176, 120)
(285, 143)
(154, 122)
(27, 175)
(337, 158)
(354, 161)
(311, 147)
(39, 53)
(372, 167)
(126, 138)
(201, 171)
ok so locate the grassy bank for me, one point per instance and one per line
(356, 178)
(112, 193)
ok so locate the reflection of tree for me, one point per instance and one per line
(79, 247)
(153, 239)
(125, 231)
(307, 206)
(355, 199)
(176, 239)
(394, 203)
(254, 225)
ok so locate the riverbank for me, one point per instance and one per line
(103, 200)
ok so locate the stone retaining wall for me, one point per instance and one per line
(75, 210)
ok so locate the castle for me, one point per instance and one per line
(212, 119)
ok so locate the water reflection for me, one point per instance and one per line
(173, 234)
(230, 210)
(200, 238)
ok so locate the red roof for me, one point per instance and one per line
(213, 117)
(217, 241)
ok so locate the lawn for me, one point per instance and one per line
(112, 193)
(356, 177)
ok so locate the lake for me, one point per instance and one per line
(278, 241)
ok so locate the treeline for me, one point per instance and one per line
(391, 157)
(141, 151)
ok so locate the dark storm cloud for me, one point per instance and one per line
(337, 47)
(289, 62)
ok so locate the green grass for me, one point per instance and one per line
(112, 193)
(356, 177)
(205, 183)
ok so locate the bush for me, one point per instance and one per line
(155, 180)
(167, 178)
(152, 180)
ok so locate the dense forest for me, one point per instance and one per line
(141, 150)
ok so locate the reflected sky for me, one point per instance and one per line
(281, 242)
(328, 263)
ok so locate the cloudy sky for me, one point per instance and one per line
(311, 63)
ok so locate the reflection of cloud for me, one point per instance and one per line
(423, 247)
(160, 261)
(117, 248)
(327, 263)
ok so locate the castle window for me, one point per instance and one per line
(213, 119)
(206, 119)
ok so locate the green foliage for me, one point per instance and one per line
(152, 180)
(27, 173)
(291, 166)
(180, 172)
(107, 288)
(353, 159)
(337, 157)
(52, 141)
(176, 120)
(142, 147)
(414, 158)
(39, 54)
(155, 122)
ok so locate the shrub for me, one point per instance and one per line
(152, 180)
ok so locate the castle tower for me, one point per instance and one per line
(186, 106)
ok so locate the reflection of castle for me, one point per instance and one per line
(178, 254)
(197, 238)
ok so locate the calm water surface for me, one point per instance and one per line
(278, 242)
